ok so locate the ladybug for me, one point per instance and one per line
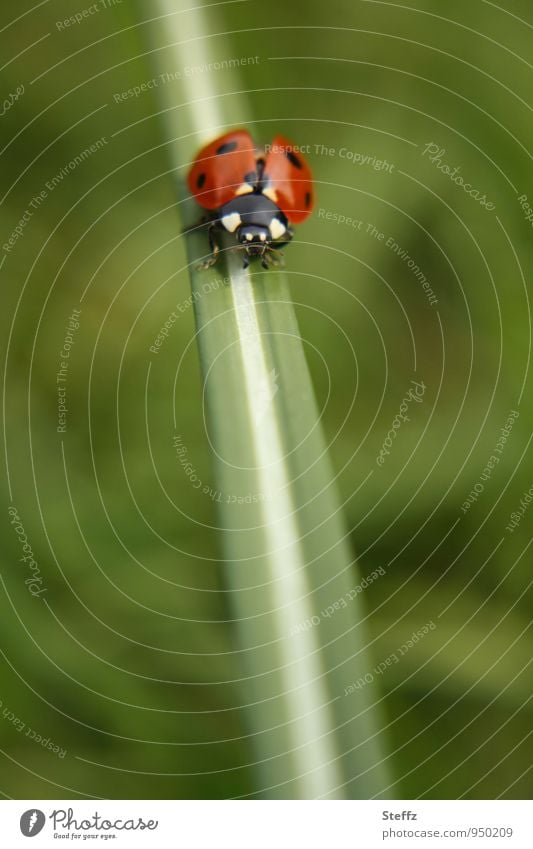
(252, 193)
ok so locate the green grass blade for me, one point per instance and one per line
(287, 563)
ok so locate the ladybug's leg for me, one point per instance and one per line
(214, 246)
(272, 258)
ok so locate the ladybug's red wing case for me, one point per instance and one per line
(288, 180)
(223, 167)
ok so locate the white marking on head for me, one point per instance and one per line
(262, 236)
(248, 237)
(244, 189)
(277, 229)
(231, 221)
(271, 194)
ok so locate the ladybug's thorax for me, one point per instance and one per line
(255, 220)
(253, 208)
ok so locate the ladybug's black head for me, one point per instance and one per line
(258, 225)
(254, 238)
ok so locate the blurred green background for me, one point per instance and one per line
(126, 663)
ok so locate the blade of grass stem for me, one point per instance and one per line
(296, 617)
